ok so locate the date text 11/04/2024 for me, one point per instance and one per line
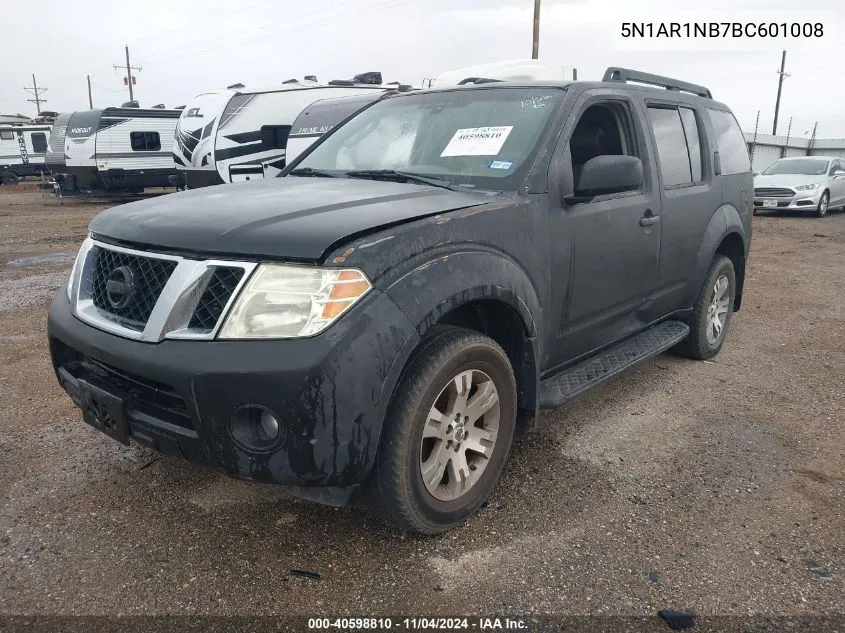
(418, 624)
(713, 30)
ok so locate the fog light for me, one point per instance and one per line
(255, 428)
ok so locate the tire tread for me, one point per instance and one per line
(392, 500)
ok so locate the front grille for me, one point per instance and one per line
(773, 192)
(148, 277)
(215, 297)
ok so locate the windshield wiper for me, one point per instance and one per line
(310, 171)
(393, 174)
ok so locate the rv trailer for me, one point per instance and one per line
(506, 70)
(121, 149)
(239, 134)
(22, 151)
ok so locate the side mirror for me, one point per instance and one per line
(605, 175)
(755, 174)
(839, 173)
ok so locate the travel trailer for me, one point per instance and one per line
(121, 149)
(507, 70)
(237, 134)
(22, 151)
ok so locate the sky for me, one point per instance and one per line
(189, 46)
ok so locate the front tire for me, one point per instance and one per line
(447, 433)
(711, 314)
(824, 203)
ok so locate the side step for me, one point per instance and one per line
(556, 390)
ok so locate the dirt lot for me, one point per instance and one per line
(716, 488)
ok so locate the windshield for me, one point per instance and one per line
(484, 138)
(803, 167)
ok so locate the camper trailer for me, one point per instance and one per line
(238, 134)
(22, 151)
(121, 149)
(506, 70)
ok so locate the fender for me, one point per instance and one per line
(725, 220)
(438, 286)
(435, 288)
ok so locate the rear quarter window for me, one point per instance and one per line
(733, 152)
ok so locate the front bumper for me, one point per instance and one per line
(801, 201)
(330, 392)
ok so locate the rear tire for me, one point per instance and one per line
(451, 421)
(824, 204)
(9, 178)
(711, 314)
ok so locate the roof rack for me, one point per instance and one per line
(626, 75)
(478, 80)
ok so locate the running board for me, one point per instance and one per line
(558, 389)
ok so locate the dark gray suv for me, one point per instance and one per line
(376, 323)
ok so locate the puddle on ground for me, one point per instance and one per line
(62, 258)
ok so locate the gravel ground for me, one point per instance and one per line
(709, 487)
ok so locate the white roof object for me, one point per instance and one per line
(508, 70)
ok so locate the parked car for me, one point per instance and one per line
(813, 183)
(376, 323)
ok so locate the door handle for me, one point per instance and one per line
(649, 218)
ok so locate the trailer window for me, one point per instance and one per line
(7, 135)
(145, 141)
(39, 142)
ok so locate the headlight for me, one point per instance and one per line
(72, 281)
(286, 301)
(806, 187)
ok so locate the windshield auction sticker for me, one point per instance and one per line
(477, 141)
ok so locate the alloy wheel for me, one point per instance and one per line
(459, 435)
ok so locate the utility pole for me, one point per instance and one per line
(812, 139)
(754, 138)
(36, 92)
(535, 49)
(90, 101)
(780, 87)
(129, 78)
(786, 145)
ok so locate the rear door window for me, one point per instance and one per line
(671, 145)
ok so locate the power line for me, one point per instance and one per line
(94, 83)
(130, 79)
(211, 45)
(239, 40)
(36, 92)
(195, 23)
(181, 49)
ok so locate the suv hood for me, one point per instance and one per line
(787, 180)
(291, 217)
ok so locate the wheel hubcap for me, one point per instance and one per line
(824, 203)
(717, 311)
(459, 435)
